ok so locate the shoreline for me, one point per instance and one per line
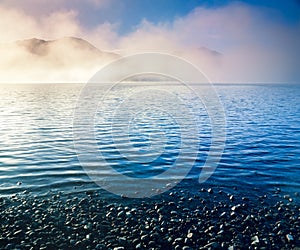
(207, 219)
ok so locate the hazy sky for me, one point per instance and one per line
(230, 41)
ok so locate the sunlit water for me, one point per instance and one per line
(37, 153)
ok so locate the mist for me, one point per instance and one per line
(236, 43)
(64, 60)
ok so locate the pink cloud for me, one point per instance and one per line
(235, 43)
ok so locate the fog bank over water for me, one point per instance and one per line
(64, 60)
(236, 42)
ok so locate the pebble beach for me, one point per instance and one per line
(211, 218)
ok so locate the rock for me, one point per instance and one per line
(88, 226)
(100, 247)
(17, 233)
(168, 185)
(177, 240)
(254, 240)
(9, 246)
(122, 240)
(144, 237)
(167, 223)
(286, 196)
(289, 237)
(190, 235)
(120, 214)
(236, 208)
(78, 244)
(212, 245)
(138, 246)
(174, 213)
(152, 244)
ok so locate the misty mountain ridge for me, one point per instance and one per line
(70, 59)
(42, 47)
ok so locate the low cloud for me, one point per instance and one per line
(235, 43)
(64, 60)
(253, 45)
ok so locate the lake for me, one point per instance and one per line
(37, 153)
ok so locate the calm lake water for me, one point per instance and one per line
(37, 152)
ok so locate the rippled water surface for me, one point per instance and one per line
(37, 153)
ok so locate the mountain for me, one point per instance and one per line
(42, 47)
(66, 59)
(72, 59)
(209, 52)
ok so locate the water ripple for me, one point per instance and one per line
(37, 151)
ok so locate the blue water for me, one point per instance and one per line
(37, 153)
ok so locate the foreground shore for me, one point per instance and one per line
(209, 219)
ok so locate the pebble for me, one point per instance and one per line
(168, 222)
(289, 237)
(144, 237)
(121, 214)
(212, 245)
(88, 226)
(178, 240)
(236, 208)
(139, 246)
(173, 213)
(190, 235)
(169, 185)
(286, 196)
(254, 240)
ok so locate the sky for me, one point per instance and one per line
(229, 41)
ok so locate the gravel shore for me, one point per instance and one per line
(209, 219)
